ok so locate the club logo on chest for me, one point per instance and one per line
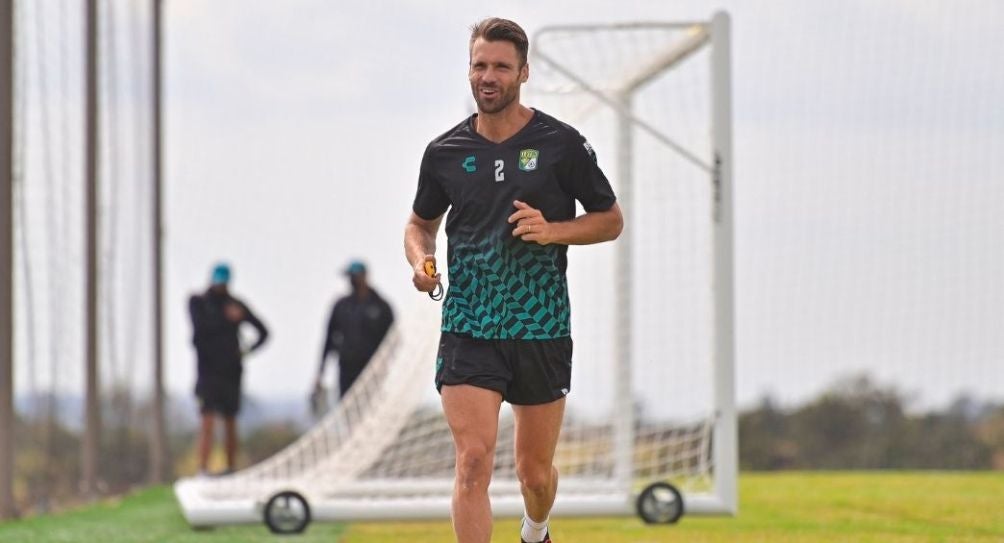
(528, 159)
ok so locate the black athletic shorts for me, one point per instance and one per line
(218, 395)
(524, 371)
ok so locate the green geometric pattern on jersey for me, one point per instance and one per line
(507, 290)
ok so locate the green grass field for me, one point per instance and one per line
(775, 507)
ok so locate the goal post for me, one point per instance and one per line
(726, 453)
(652, 398)
(657, 97)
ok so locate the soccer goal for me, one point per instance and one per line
(650, 422)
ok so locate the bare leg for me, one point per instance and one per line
(473, 415)
(230, 425)
(537, 430)
(205, 440)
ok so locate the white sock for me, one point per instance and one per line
(533, 531)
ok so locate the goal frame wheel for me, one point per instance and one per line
(287, 520)
(660, 503)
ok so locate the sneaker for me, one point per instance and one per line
(547, 538)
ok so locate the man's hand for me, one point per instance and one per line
(423, 281)
(531, 226)
(420, 251)
(233, 312)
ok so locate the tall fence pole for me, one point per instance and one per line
(92, 408)
(7, 509)
(6, 259)
(159, 454)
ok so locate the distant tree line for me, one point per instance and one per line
(857, 424)
(47, 452)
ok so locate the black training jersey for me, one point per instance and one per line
(502, 287)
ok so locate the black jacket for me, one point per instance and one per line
(216, 339)
(355, 330)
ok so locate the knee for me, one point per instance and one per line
(474, 468)
(535, 478)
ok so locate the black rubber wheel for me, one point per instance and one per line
(287, 513)
(660, 503)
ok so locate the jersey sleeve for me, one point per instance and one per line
(431, 200)
(582, 177)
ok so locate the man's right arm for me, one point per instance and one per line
(329, 344)
(203, 322)
(419, 248)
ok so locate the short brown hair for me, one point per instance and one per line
(496, 29)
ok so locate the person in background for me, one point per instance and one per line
(358, 323)
(216, 319)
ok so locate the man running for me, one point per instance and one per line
(509, 176)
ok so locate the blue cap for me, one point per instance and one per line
(221, 274)
(355, 267)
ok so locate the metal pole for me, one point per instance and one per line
(159, 454)
(7, 509)
(726, 436)
(92, 418)
(624, 414)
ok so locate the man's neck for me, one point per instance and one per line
(498, 127)
(361, 293)
(218, 291)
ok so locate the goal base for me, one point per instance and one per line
(202, 512)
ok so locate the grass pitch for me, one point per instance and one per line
(774, 507)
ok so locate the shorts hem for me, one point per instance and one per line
(535, 402)
(500, 390)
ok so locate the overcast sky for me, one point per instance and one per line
(869, 182)
(869, 177)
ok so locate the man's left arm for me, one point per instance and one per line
(579, 175)
(591, 227)
(250, 318)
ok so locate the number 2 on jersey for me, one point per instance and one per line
(499, 174)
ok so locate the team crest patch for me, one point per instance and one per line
(528, 159)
